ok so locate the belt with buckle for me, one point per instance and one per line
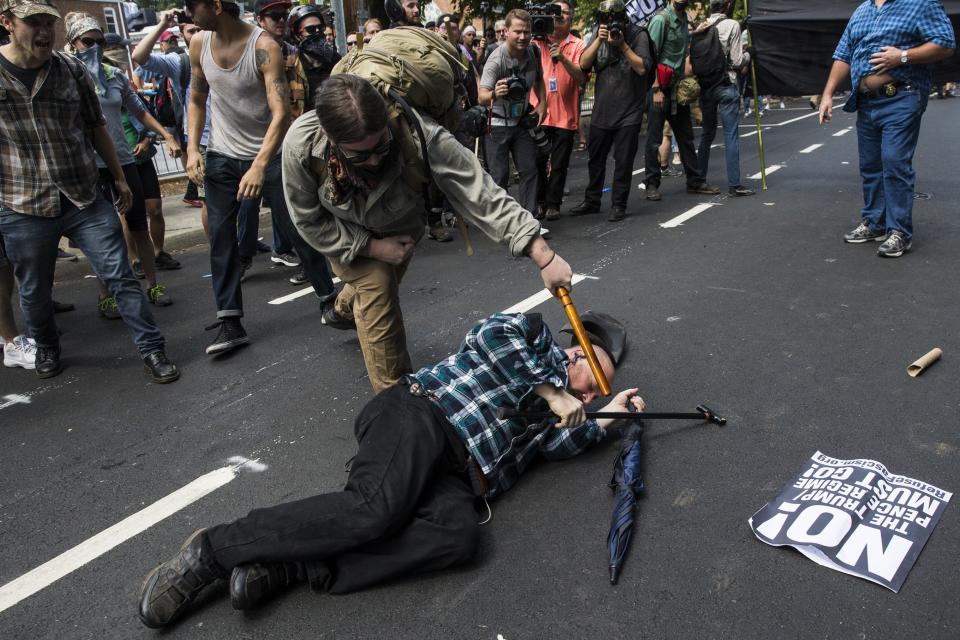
(885, 91)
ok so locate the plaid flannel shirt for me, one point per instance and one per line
(903, 24)
(46, 139)
(497, 365)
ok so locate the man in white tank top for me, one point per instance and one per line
(240, 68)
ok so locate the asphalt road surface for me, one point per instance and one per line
(754, 306)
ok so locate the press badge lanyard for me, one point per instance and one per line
(552, 80)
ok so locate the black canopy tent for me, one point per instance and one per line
(794, 41)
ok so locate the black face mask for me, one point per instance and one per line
(680, 6)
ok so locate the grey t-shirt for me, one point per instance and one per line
(115, 95)
(500, 65)
(620, 92)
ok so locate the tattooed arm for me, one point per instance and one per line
(270, 63)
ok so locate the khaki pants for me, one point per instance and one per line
(371, 296)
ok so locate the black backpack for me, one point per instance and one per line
(707, 58)
(164, 106)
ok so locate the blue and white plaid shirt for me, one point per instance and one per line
(903, 24)
(497, 365)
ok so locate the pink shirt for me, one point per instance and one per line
(563, 92)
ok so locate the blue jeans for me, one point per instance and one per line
(887, 132)
(221, 183)
(31, 243)
(724, 100)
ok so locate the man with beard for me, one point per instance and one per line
(345, 182)
(51, 121)
(426, 449)
(402, 13)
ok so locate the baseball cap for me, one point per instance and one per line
(26, 8)
(169, 33)
(264, 5)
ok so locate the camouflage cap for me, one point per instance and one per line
(26, 8)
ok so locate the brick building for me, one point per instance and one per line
(109, 13)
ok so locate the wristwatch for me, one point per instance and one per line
(903, 56)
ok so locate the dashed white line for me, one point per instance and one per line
(14, 398)
(92, 548)
(542, 296)
(842, 132)
(771, 169)
(811, 148)
(296, 294)
(686, 215)
(639, 171)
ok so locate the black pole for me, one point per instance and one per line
(703, 413)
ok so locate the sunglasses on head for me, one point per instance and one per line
(313, 29)
(276, 16)
(357, 157)
(89, 42)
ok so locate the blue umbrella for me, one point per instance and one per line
(627, 484)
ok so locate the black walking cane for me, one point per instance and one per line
(703, 412)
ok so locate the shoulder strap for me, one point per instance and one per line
(185, 71)
(409, 114)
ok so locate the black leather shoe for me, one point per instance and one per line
(159, 368)
(170, 589)
(616, 215)
(63, 307)
(48, 362)
(740, 191)
(584, 209)
(653, 193)
(253, 584)
(703, 189)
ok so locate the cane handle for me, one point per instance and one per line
(584, 341)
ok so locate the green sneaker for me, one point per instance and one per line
(108, 308)
(157, 294)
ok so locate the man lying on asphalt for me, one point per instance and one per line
(427, 447)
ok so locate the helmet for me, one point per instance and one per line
(300, 12)
(395, 12)
(604, 331)
(612, 6)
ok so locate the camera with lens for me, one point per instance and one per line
(529, 122)
(612, 13)
(182, 17)
(541, 19)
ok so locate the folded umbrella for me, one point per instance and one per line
(627, 485)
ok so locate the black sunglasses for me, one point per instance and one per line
(89, 42)
(313, 29)
(362, 156)
(276, 16)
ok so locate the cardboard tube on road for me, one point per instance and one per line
(922, 363)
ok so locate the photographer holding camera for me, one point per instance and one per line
(510, 73)
(620, 56)
(560, 53)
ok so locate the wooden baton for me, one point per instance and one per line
(584, 341)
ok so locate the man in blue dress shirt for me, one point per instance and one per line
(887, 49)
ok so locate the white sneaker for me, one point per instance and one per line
(20, 352)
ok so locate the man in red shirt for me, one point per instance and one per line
(562, 76)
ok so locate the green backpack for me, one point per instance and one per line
(414, 70)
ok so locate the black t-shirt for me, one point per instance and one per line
(619, 92)
(27, 76)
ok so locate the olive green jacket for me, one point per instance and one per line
(394, 206)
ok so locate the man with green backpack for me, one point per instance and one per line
(356, 172)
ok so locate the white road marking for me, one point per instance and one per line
(92, 548)
(771, 169)
(297, 294)
(14, 398)
(842, 132)
(811, 148)
(686, 215)
(542, 296)
(714, 146)
(791, 121)
(639, 171)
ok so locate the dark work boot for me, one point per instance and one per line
(159, 368)
(170, 589)
(584, 208)
(48, 362)
(253, 584)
